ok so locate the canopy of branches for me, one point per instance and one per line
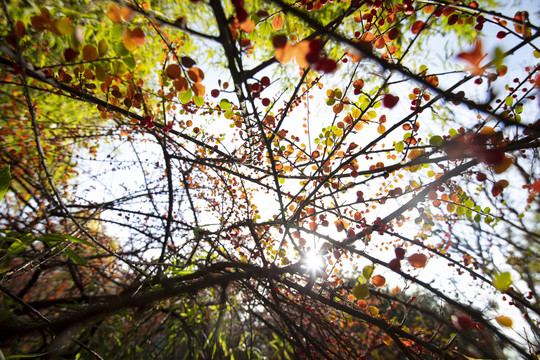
(248, 179)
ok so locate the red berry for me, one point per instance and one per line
(265, 81)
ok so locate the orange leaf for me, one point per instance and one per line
(181, 84)
(300, 52)
(133, 38)
(198, 89)
(113, 13)
(433, 80)
(379, 42)
(277, 22)
(248, 26)
(378, 280)
(367, 37)
(417, 26)
(473, 58)
(338, 108)
(417, 260)
(138, 36)
(195, 74)
(89, 53)
(284, 54)
(173, 71)
(126, 13)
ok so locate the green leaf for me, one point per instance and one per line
(229, 114)
(62, 238)
(185, 97)
(27, 356)
(7, 238)
(17, 247)
(116, 31)
(361, 291)
(265, 28)
(5, 177)
(499, 57)
(130, 62)
(400, 146)
(77, 259)
(225, 104)
(502, 281)
(436, 140)
(367, 272)
(121, 50)
(199, 101)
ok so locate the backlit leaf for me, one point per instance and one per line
(378, 280)
(5, 178)
(361, 291)
(417, 26)
(417, 260)
(474, 58)
(277, 22)
(173, 71)
(502, 281)
(504, 321)
(89, 53)
(113, 13)
(367, 271)
(77, 259)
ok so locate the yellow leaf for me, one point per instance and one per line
(64, 26)
(504, 321)
(373, 310)
(103, 48)
(502, 281)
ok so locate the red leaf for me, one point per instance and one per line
(326, 66)
(463, 322)
(395, 265)
(390, 100)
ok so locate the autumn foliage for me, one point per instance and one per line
(230, 179)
